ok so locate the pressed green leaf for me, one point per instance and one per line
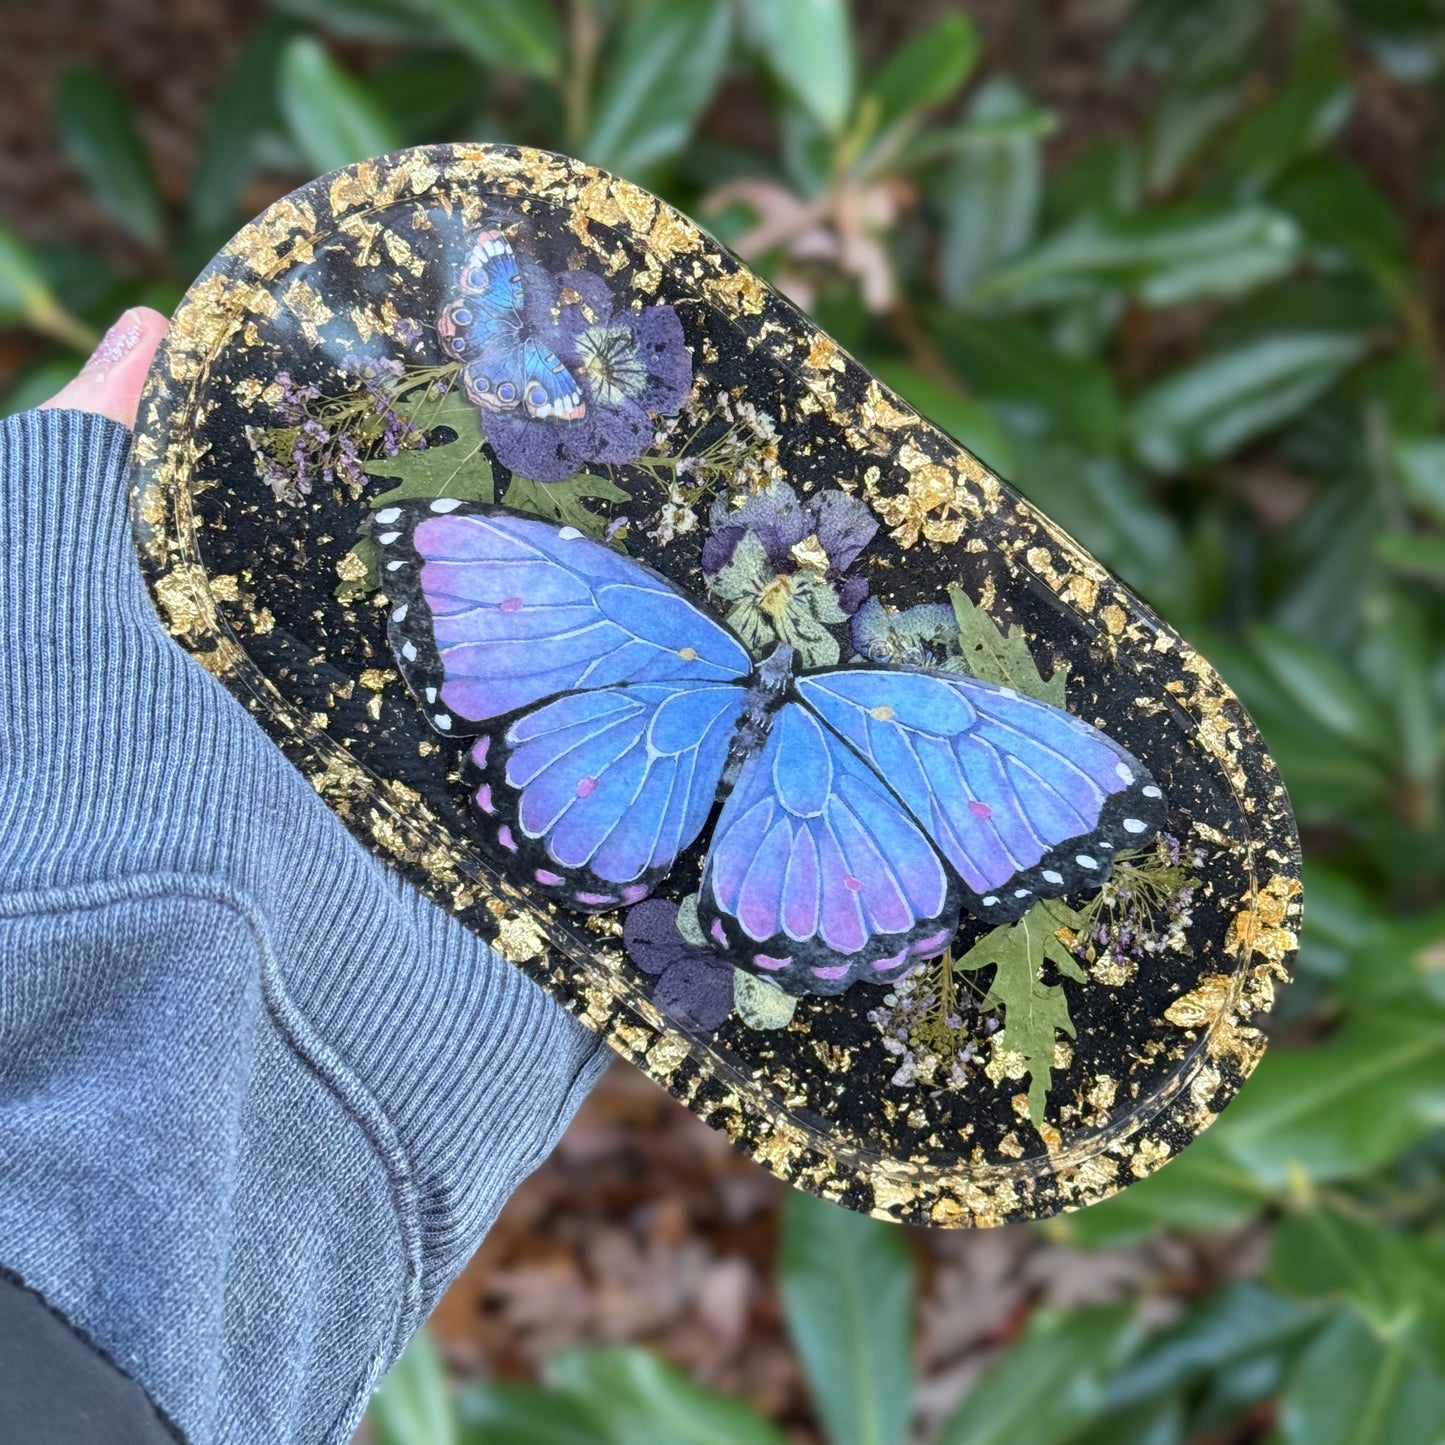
(1034, 1012)
(457, 468)
(989, 197)
(562, 502)
(669, 60)
(1049, 1383)
(927, 69)
(640, 1399)
(1189, 252)
(523, 1415)
(99, 135)
(1004, 657)
(760, 1004)
(332, 118)
(808, 46)
(245, 109)
(1228, 397)
(1006, 360)
(413, 1405)
(1354, 1387)
(514, 34)
(961, 416)
(847, 1287)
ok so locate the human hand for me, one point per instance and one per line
(110, 381)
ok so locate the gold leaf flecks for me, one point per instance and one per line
(1201, 1005)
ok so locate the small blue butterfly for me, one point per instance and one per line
(483, 326)
(855, 811)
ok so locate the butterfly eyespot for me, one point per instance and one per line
(476, 278)
(506, 391)
(461, 316)
(881, 713)
(1134, 825)
(1084, 861)
(687, 654)
(1152, 792)
(388, 515)
(1051, 877)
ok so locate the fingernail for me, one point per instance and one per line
(115, 345)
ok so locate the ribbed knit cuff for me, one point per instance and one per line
(126, 771)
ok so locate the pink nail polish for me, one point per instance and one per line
(115, 346)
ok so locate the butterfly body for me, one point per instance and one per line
(851, 814)
(484, 327)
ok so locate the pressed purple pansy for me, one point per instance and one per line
(694, 983)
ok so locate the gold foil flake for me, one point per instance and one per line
(1093, 1178)
(667, 1052)
(934, 505)
(182, 593)
(353, 188)
(376, 678)
(201, 323)
(737, 293)
(809, 553)
(248, 391)
(1260, 928)
(1010, 1147)
(824, 354)
(402, 254)
(306, 305)
(519, 938)
(1149, 1154)
(877, 410)
(891, 1194)
(366, 233)
(284, 234)
(351, 568)
(1101, 1093)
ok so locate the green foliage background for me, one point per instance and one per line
(1205, 338)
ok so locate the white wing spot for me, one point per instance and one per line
(1051, 877)
(1084, 861)
(445, 504)
(569, 534)
(1152, 792)
(400, 614)
(1134, 825)
(442, 721)
(394, 566)
(431, 694)
(388, 516)
(1125, 772)
(387, 538)
(408, 651)
(1021, 892)
(990, 900)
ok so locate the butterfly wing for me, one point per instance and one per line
(493, 612)
(1024, 800)
(816, 875)
(483, 327)
(591, 797)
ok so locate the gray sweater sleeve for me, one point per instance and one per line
(259, 1100)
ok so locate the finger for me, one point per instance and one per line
(110, 381)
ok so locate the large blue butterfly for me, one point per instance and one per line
(484, 327)
(856, 811)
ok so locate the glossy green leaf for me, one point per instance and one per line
(512, 34)
(639, 1399)
(1338, 206)
(1164, 257)
(1239, 1320)
(491, 1414)
(332, 117)
(385, 20)
(26, 297)
(808, 46)
(98, 132)
(1231, 396)
(1330, 694)
(927, 69)
(1413, 555)
(245, 109)
(1158, 1423)
(1343, 1108)
(1048, 1384)
(669, 60)
(988, 198)
(1005, 360)
(847, 1287)
(1355, 1387)
(413, 1405)
(1420, 466)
